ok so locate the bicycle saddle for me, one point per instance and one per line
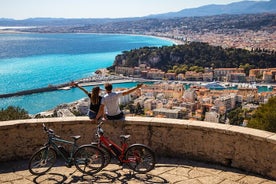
(124, 136)
(76, 137)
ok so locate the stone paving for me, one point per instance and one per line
(167, 170)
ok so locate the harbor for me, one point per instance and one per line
(89, 81)
(114, 79)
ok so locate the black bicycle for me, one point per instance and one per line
(88, 159)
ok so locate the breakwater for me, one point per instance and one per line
(64, 86)
(32, 91)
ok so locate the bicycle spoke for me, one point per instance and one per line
(42, 161)
(140, 158)
(89, 159)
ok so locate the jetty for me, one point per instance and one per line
(37, 90)
(65, 86)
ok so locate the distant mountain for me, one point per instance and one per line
(243, 7)
(58, 21)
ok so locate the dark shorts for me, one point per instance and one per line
(116, 117)
(91, 114)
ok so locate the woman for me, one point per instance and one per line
(95, 100)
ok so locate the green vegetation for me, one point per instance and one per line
(13, 113)
(195, 56)
(237, 115)
(264, 117)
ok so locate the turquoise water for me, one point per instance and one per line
(30, 61)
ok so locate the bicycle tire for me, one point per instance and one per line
(140, 158)
(107, 154)
(89, 159)
(42, 161)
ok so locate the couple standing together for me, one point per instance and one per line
(108, 105)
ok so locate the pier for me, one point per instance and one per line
(32, 91)
(65, 86)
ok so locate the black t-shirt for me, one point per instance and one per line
(95, 107)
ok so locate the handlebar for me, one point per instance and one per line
(99, 128)
(50, 131)
(44, 127)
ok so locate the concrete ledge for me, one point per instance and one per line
(244, 148)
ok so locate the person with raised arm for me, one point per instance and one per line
(110, 103)
(95, 100)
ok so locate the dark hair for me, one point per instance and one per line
(108, 86)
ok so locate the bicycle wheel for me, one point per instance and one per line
(42, 161)
(107, 155)
(140, 158)
(89, 159)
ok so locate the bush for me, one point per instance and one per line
(13, 113)
(264, 117)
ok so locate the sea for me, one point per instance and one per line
(29, 61)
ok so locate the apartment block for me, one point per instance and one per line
(221, 73)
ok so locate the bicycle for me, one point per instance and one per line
(139, 157)
(88, 158)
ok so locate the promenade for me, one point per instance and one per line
(167, 170)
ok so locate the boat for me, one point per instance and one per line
(214, 85)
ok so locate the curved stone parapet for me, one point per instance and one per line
(239, 147)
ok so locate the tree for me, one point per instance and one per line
(13, 113)
(247, 67)
(237, 115)
(264, 117)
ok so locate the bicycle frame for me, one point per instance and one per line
(109, 144)
(87, 158)
(52, 142)
(139, 157)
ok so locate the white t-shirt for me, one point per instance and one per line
(111, 103)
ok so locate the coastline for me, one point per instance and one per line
(21, 30)
(173, 40)
(36, 101)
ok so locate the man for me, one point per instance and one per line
(110, 103)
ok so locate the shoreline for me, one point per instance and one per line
(175, 41)
(21, 30)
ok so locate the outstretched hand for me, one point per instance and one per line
(73, 84)
(139, 85)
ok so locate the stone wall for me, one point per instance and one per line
(244, 148)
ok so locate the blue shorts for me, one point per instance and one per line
(91, 114)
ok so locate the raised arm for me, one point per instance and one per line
(131, 90)
(76, 85)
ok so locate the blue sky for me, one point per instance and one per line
(22, 9)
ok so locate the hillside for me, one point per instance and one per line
(195, 54)
(243, 7)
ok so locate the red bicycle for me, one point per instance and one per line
(139, 157)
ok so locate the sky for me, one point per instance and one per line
(22, 9)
